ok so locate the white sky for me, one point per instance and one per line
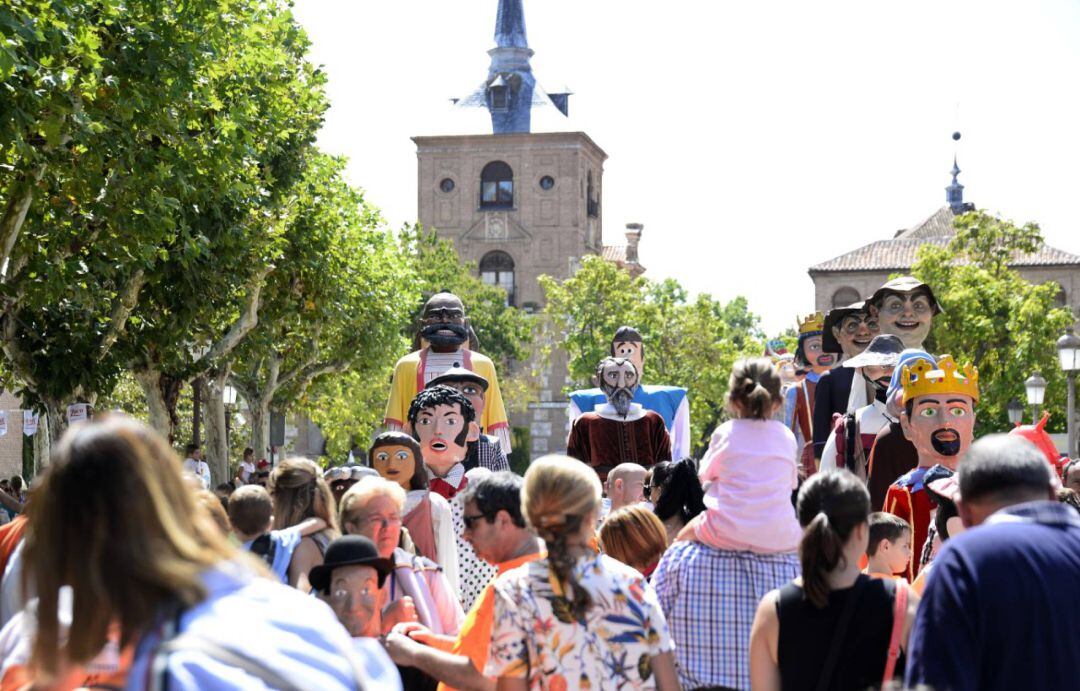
(753, 139)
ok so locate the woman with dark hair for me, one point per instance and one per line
(575, 617)
(120, 548)
(802, 629)
(299, 493)
(675, 491)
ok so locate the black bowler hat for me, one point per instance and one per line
(350, 550)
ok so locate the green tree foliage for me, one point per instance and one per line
(993, 317)
(688, 342)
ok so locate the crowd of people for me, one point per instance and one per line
(842, 530)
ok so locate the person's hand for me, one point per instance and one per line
(689, 531)
(400, 648)
(397, 612)
(410, 628)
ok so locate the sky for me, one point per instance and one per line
(753, 139)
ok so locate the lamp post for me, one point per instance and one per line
(1015, 410)
(1069, 354)
(228, 397)
(1036, 391)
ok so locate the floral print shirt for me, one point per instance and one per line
(536, 637)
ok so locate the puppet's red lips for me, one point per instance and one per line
(392, 472)
(438, 446)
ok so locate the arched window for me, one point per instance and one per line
(497, 269)
(496, 185)
(845, 296)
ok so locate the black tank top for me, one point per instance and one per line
(806, 633)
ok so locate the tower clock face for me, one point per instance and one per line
(547, 182)
(447, 185)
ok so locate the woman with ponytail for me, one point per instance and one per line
(833, 628)
(575, 618)
(676, 493)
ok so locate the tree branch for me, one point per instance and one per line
(22, 194)
(249, 319)
(125, 304)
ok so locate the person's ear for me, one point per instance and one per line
(905, 424)
(966, 515)
(474, 432)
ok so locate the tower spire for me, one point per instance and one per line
(954, 193)
(510, 25)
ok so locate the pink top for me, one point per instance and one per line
(751, 468)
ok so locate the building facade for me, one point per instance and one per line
(519, 191)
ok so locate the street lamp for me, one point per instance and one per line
(1016, 412)
(1069, 354)
(228, 397)
(1036, 391)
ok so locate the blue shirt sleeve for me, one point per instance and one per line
(944, 650)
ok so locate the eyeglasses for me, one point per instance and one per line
(470, 520)
(646, 488)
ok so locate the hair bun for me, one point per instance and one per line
(551, 520)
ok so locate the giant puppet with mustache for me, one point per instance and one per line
(444, 340)
(620, 431)
(939, 419)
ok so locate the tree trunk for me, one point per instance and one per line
(196, 410)
(150, 381)
(217, 444)
(260, 425)
(42, 445)
(56, 414)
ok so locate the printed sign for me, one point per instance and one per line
(29, 423)
(76, 412)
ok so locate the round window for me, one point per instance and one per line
(447, 185)
(547, 182)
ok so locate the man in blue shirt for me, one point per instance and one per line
(999, 609)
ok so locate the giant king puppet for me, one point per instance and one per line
(444, 342)
(669, 402)
(799, 404)
(620, 431)
(939, 419)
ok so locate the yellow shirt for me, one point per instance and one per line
(474, 636)
(409, 379)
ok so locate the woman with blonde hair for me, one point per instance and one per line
(575, 617)
(299, 492)
(634, 536)
(119, 547)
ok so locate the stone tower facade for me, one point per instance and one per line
(519, 192)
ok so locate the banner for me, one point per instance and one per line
(3, 423)
(76, 412)
(29, 423)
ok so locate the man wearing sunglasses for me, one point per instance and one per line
(496, 529)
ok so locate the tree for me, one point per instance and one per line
(993, 318)
(333, 304)
(690, 343)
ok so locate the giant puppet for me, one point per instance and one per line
(620, 431)
(846, 333)
(939, 419)
(670, 402)
(799, 399)
(905, 307)
(443, 341)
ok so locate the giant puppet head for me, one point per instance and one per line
(397, 457)
(444, 423)
(810, 352)
(627, 343)
(905, 307)
(472, 385)
(443, 323)
(939, 410)
(876, 364)
(848, 330)
(784, 361)
(1037, 435)
(618, 379)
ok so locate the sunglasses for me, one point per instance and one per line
(470, 520)
(646, 488)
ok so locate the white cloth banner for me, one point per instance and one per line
(29, 423)
(3, 423)
(76, 412)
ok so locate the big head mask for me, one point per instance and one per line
(939, 410)
(618, 379)
(443, 323)
(444, 423)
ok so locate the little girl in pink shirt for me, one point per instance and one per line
(750, 469)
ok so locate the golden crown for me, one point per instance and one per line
(922, 379)
(812, 323)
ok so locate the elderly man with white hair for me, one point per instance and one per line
(416, 589)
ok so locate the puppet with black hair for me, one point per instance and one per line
(620, 431)
(799, 400)
(397, 457)
(443, 421)
(445, 340)
(669, 402)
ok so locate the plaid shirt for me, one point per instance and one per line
(709, 597)
(486, 453)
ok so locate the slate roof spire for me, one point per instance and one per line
(954, 193)
(510, 25)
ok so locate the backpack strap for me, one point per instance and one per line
(900, 593)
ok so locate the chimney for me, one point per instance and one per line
(633, 237)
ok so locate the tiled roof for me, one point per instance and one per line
(614, 253)
(898, 253)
